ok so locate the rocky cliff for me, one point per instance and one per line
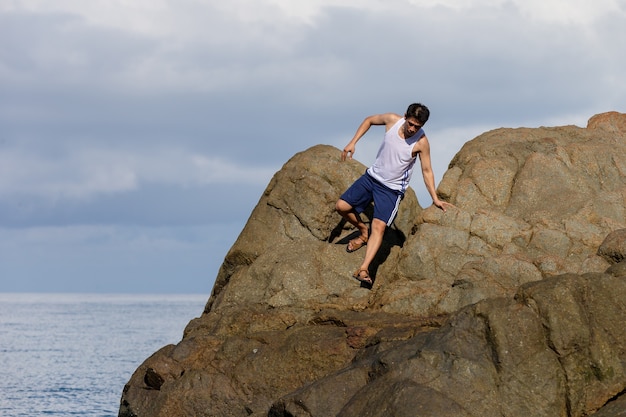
(512, 304)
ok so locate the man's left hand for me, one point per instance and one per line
(443, 205)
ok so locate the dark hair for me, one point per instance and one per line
(419, 111)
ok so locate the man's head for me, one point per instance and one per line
(419, 112)
(415, 117)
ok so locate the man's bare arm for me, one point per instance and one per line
(423, 150)
(387, 119)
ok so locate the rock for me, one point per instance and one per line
(616, 408)
(532, 203)
(152, 379)
(613, 248)
(554, 350)
(285, 248)
(509, 305)
(222, 374)
(618, 270)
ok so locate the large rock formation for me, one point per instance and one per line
(511, 304)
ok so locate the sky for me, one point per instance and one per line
(136, 136)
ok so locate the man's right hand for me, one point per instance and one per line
(348, 152)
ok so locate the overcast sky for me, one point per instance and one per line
(136, 136)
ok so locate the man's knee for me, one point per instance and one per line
(342, 206)
(378, 225)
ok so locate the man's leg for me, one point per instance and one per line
(374, 243)
(386, 203)
(348, 213)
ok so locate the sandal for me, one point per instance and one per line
(356, 244)
(366, 279)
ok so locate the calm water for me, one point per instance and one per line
(70, 355)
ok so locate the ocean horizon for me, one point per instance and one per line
(70, 354)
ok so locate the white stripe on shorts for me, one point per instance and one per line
(394, 213)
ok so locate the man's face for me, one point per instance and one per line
(411, 126)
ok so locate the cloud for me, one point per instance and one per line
(563, 12)
(569, 12)
(302, 53)
(89, 172)
(84, 258)
(152, 116)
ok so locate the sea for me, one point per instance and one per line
(72, 354)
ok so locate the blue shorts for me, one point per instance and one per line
(365, 190)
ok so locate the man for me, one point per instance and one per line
(386, 181)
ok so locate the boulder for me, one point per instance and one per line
(532, 203)
(509, 304)
(556, 349)
(613, 247)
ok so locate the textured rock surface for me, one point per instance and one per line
(533, 203)
(499, 307)
(554, 350)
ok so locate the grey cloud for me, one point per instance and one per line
(53, 51)
(254, 91)
(149, 206)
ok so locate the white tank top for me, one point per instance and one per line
(394, 163)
